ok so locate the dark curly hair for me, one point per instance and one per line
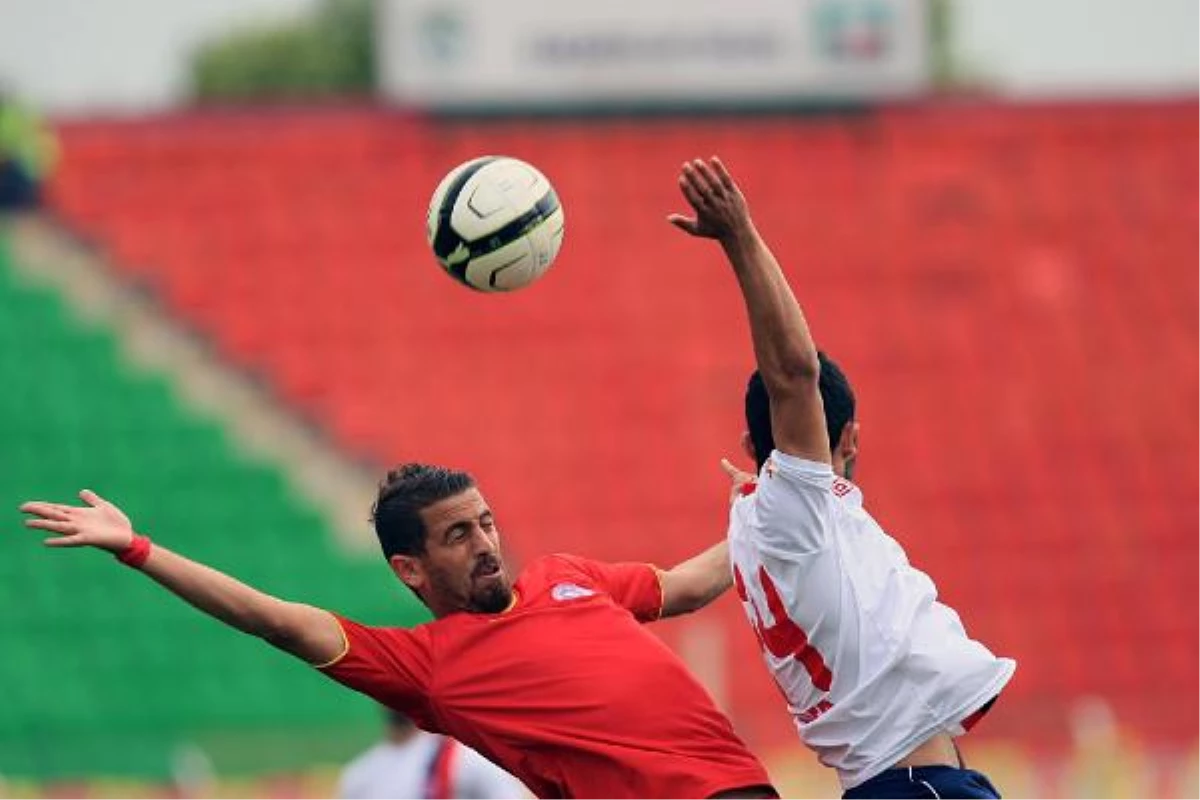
(402, 494)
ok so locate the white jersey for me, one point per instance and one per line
(871, 664)
(405, 769)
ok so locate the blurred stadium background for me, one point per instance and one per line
(222, 313)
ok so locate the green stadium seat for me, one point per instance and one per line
(104, 673)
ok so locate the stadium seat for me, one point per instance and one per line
(107, 675)
(1011, 288)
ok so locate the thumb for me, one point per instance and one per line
(91, 498)
(729, 468)
(684, 224)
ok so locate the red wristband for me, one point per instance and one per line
(136, 553)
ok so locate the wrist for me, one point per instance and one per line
(739, 236)
(136, 552)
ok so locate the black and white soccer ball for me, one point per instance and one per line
(495, 223)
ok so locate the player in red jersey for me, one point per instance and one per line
(551, 676)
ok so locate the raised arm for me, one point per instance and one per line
(304, 631)
(784, 349)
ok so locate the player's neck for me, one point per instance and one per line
(440, 613)
(401, 735)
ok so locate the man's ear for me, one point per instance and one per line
(409, 570)
(847, 446)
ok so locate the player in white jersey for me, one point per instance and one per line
(879, 676)
(410, 762)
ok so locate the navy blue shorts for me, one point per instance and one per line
(925, 782)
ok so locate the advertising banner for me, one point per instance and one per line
(457, 54)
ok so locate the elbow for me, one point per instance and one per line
(274, 627)
(796, 371)
(277, 637)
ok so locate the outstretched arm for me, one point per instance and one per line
(304, 631)
(784, 349)
(693, 584)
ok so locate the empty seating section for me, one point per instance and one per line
(103, 673)
(1011, 288)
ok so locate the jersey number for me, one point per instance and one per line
(784, 638)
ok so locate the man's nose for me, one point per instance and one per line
(481, 542)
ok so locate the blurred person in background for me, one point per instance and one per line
(28, 153)
(552, 675)
(412, 763)
(879, 676)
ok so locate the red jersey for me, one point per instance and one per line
(565, 690)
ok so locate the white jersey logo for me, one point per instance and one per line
(569, 591)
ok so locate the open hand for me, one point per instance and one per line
(721, 211)
(97, 524)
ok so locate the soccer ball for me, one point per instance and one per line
(495, 224)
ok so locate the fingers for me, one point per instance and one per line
(739, 480)
(47, 510)
(691, 189)
(63, 521)
(64, 541)
(707, 178)
(723, 176)
(710, 183)
(64, 527)
(701, 181)
(684, 224)
(712, 194)
(735, 474)
(711, 176)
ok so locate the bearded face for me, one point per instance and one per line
(462, 568)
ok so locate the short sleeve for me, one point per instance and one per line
(393, 666)
(634, 585)
(793, 504)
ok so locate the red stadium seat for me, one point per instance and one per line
(1011, 288)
